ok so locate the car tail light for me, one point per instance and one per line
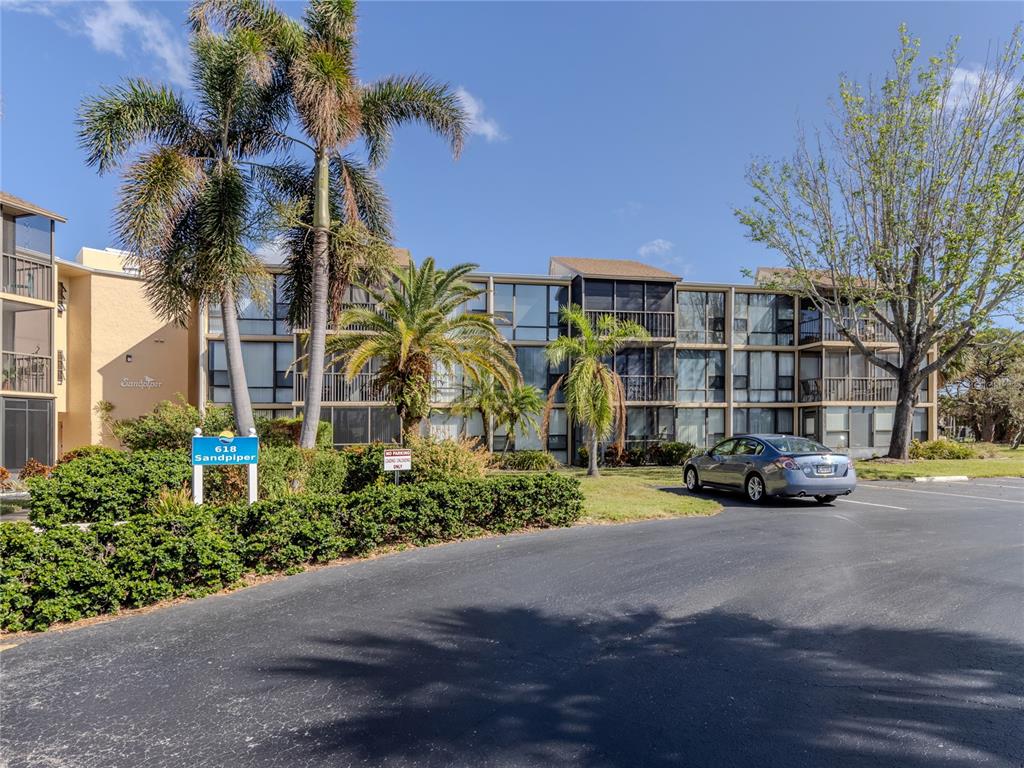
(786, 463)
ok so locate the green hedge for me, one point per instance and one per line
(65, 573)
(105, 485)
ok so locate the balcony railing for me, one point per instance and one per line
(338, 389)
(648, 389)
(848, 389)
(27, 277)
(866, 329)
(661, 325)
(26, 373)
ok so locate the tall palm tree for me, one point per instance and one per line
(335, 109)
(595, 397)
(184, 211)
(518, 408)
(417, 327)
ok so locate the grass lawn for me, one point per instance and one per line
(1005, 463)
(636, 493)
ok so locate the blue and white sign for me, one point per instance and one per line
(225, 450)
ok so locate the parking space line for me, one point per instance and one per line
(954, 495)
(869, 504)
(1001, 485)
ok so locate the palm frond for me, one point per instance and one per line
(394, 101)
(131, 114)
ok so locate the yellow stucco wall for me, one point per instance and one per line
(108, 320)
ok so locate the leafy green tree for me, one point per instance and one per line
(417, 326)
(979, 382)
(595, 397)
(909, 213)
(185, 207)
(334, 109)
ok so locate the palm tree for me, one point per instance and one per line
(184, 208)
(417, 326)
(518, 407)
(481, 396)
(335, 109)
(595, 397)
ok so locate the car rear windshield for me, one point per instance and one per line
(797, 445)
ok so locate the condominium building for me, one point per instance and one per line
(80, 340)
(29, 300)
(720, 360)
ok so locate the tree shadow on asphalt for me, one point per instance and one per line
(477, 687)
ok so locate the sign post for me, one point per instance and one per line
(397, 460)
(224, 451)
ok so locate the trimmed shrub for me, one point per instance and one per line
(284, 533)
(6, 481)
(671, 454)
(942, 448)
(64, 573)
(84, 450)
(437, 460)
(527, 461)
(105, 485)
(284, 432)
(365, 466)
(636, 456)
(157, 557)
(54, 575)
(170, 425)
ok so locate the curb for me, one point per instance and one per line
(941, 479)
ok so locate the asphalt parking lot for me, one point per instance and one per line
(883, 630)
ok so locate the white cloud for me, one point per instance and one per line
(115, 23)
(655, 249)
(479, 124)
(117, 26)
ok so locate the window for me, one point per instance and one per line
(265, 315)
(599, 294)
(860, 426)
(701, 317)
(649, 424)
(267, 371)
(810, 322)
(760, 421)
(700, 426)
(526, 311)
(351, 425)
(763, 377)
(478, 304)
(629, 297)
(810, 377)
(700, 376)
(763, 319)
(28, 431)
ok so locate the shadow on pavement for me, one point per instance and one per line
(737, 499)
(477, 687)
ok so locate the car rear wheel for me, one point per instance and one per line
(825, 499)
(754, 488)
(691, 479)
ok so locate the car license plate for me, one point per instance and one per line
(823, 469)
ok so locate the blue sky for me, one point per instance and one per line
(613, 130)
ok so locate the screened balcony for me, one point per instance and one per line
(650, 305)
(27, 257)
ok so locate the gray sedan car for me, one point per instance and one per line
(773, 465)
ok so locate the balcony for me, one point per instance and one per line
(27, 277)
(848, 389)
(868, 330)
(26, 373)
(649, 389)
(338, 389)
(661, 325)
